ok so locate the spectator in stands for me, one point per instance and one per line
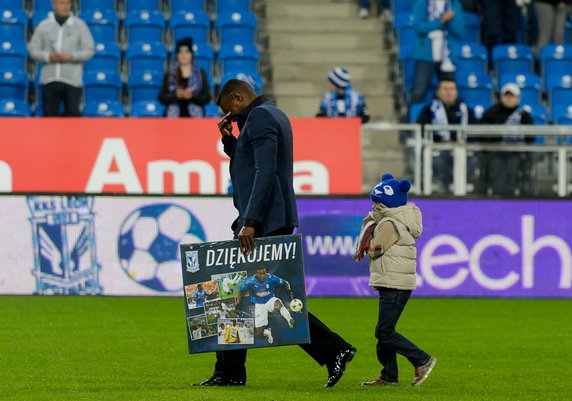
(185, 89)
(439, 25)
(502, 18)
(383, 8)
(446, 109)
(551, 16)
(341, 100)
(62, 42)
(501, 169)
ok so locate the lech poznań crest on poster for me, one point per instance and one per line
(64, 245)
(233, 300)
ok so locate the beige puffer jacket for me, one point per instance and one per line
(396, 267)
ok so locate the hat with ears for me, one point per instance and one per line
(340, 78)
(391, 192)
(511, 88)
(184, 44)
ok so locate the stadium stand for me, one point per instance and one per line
(102, 86)
(103, 24)
(14, 108)
(143, 86)
(13, 55)
(187, 5)
(13, 25)
(13, 85)
(144, 26)
(147, 109)
(107, 57)
(104, 109)
(191, 24)
(237, 27)
(142, 56)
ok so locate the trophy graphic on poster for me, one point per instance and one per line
(64, 245)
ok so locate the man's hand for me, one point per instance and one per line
(246, 240)
(447, 16)
(60, 57)
(225, 125)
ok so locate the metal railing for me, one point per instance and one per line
(557, 140)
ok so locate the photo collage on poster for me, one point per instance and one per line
(244, 301)
(217, 298)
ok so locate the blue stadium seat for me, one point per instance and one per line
(138, 5)
(106, 58)
(562, 114)
(513, 58)
(103, 24)
(144, 86)
(232, 5)
(14, 108)
(530, 86)
(555, 84)
(13, 85)
(13, 55)
(11, 4)
(472, 27)
(243, 58)
(254, 79)
(104, 109)
(13, 25)
(203, 56)
(555, 59)
(405, 35)
(42, 5)
(146, 57)
(39, 16)
(479, 108)
(537, 111)
(237, 27)
(414, 111)
(102, 86)
(147, 109)
(475, 88)
(187, 5)
(472, 58)
(144, 26)
(191, 24)
(402, 6)
(86, 5)
(212, 110)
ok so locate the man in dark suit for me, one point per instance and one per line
(261, 170)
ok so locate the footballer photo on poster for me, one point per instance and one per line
(198, 294)
(262, 293)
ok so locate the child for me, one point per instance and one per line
(388, 237)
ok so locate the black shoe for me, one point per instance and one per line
(213, 381)
(337, 369)
(232, 382)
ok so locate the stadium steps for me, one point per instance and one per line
(304, 40)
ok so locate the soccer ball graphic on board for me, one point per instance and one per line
(296, 305)
(149, 240)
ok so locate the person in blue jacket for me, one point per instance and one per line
(262, 173)
(440, 26)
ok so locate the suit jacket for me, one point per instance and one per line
(261, 168)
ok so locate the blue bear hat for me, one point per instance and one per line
(391, 192)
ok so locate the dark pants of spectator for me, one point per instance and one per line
(502, 18)
(504, 172)
(324, 346)
(381, 5)
(55, 93)
(424, 71)
(389, 341)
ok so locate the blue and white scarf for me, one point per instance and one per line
(439, 117)
(349, 107)
(195, 83)
(439, 45)
(514, 119)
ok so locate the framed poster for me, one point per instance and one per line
(234, 300)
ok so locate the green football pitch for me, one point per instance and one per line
(103, 348)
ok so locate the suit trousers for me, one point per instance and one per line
(324, 344)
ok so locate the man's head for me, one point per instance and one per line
(235, 96)
(510, 95)
(62, 8)
(447, 91)
(260, 274)
(200, 287)
(339, 79)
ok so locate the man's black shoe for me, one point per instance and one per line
(337, 369)
(232, 382)
(213, 381)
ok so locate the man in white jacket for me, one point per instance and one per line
(388, 237)
(62, 43)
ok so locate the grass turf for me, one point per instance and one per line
(103, 348)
